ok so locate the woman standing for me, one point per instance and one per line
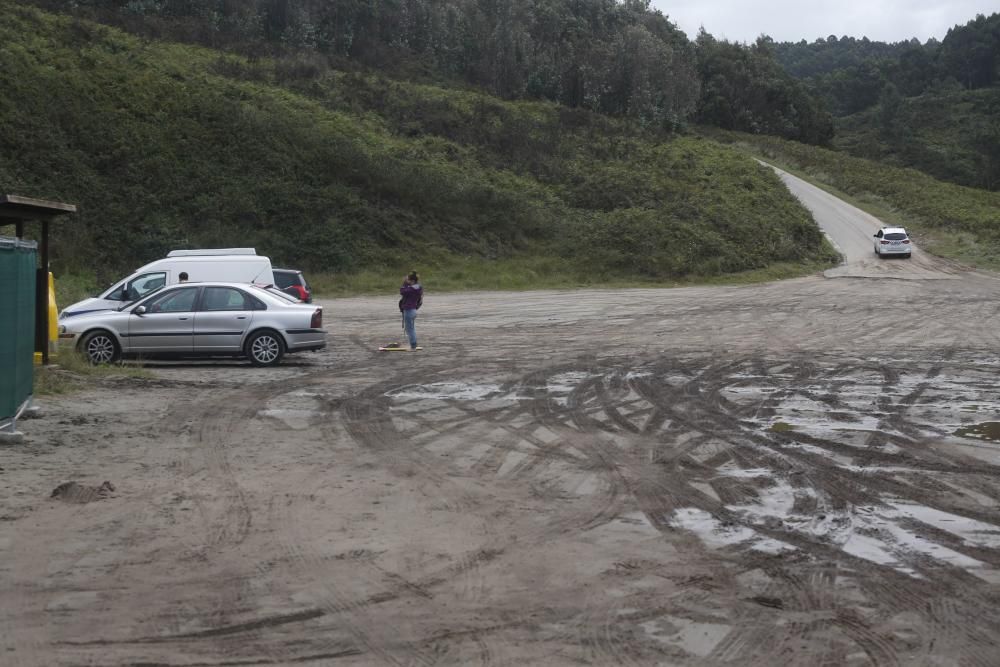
(411, 298)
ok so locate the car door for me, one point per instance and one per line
(166, 323)
(222, 319)
(878, 241)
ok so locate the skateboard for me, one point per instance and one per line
(396, 347)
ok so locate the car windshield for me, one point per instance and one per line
(895, 236)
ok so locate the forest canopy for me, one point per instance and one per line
(621, 58)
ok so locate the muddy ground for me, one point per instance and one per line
(803, 472)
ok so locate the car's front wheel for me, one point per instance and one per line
(100, 347)
(265, 348)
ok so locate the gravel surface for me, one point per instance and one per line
(802, 472)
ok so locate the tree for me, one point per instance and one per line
(988, 142)
(889, 105)
(744, 88)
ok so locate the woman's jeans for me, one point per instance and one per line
(409, 325)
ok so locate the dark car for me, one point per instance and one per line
(291, 281)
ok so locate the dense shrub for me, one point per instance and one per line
(950, 134)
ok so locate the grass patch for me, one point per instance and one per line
(964, 247)
(781, 427)
(534, 272)
(70, 372)
(73, 287)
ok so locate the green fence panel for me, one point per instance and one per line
(18, 262)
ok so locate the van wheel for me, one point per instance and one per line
(265, 348)
(100, 347)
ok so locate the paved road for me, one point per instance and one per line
(850, 230)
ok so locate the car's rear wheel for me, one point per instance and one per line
(100, 347)
(265, 348)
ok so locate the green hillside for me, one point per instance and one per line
(934, 107)
(953, 135)
(166, 146)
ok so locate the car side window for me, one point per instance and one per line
(879, 235)
(224, 298)
(176, 301)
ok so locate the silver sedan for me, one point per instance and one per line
(200, 319)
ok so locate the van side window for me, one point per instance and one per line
(142, 285)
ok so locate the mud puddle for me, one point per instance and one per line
(982, 431)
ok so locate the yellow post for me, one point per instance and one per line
(53, 318)
(53, 323)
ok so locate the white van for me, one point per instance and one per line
(233, 265)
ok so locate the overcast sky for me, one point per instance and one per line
(792, 20)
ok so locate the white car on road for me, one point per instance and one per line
(892, 241)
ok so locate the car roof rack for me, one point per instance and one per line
(208, 252)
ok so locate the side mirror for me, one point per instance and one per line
(141, 310)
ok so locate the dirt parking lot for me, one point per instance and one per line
(802, 472)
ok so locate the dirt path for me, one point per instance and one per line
(850, 231)
(791, 473)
